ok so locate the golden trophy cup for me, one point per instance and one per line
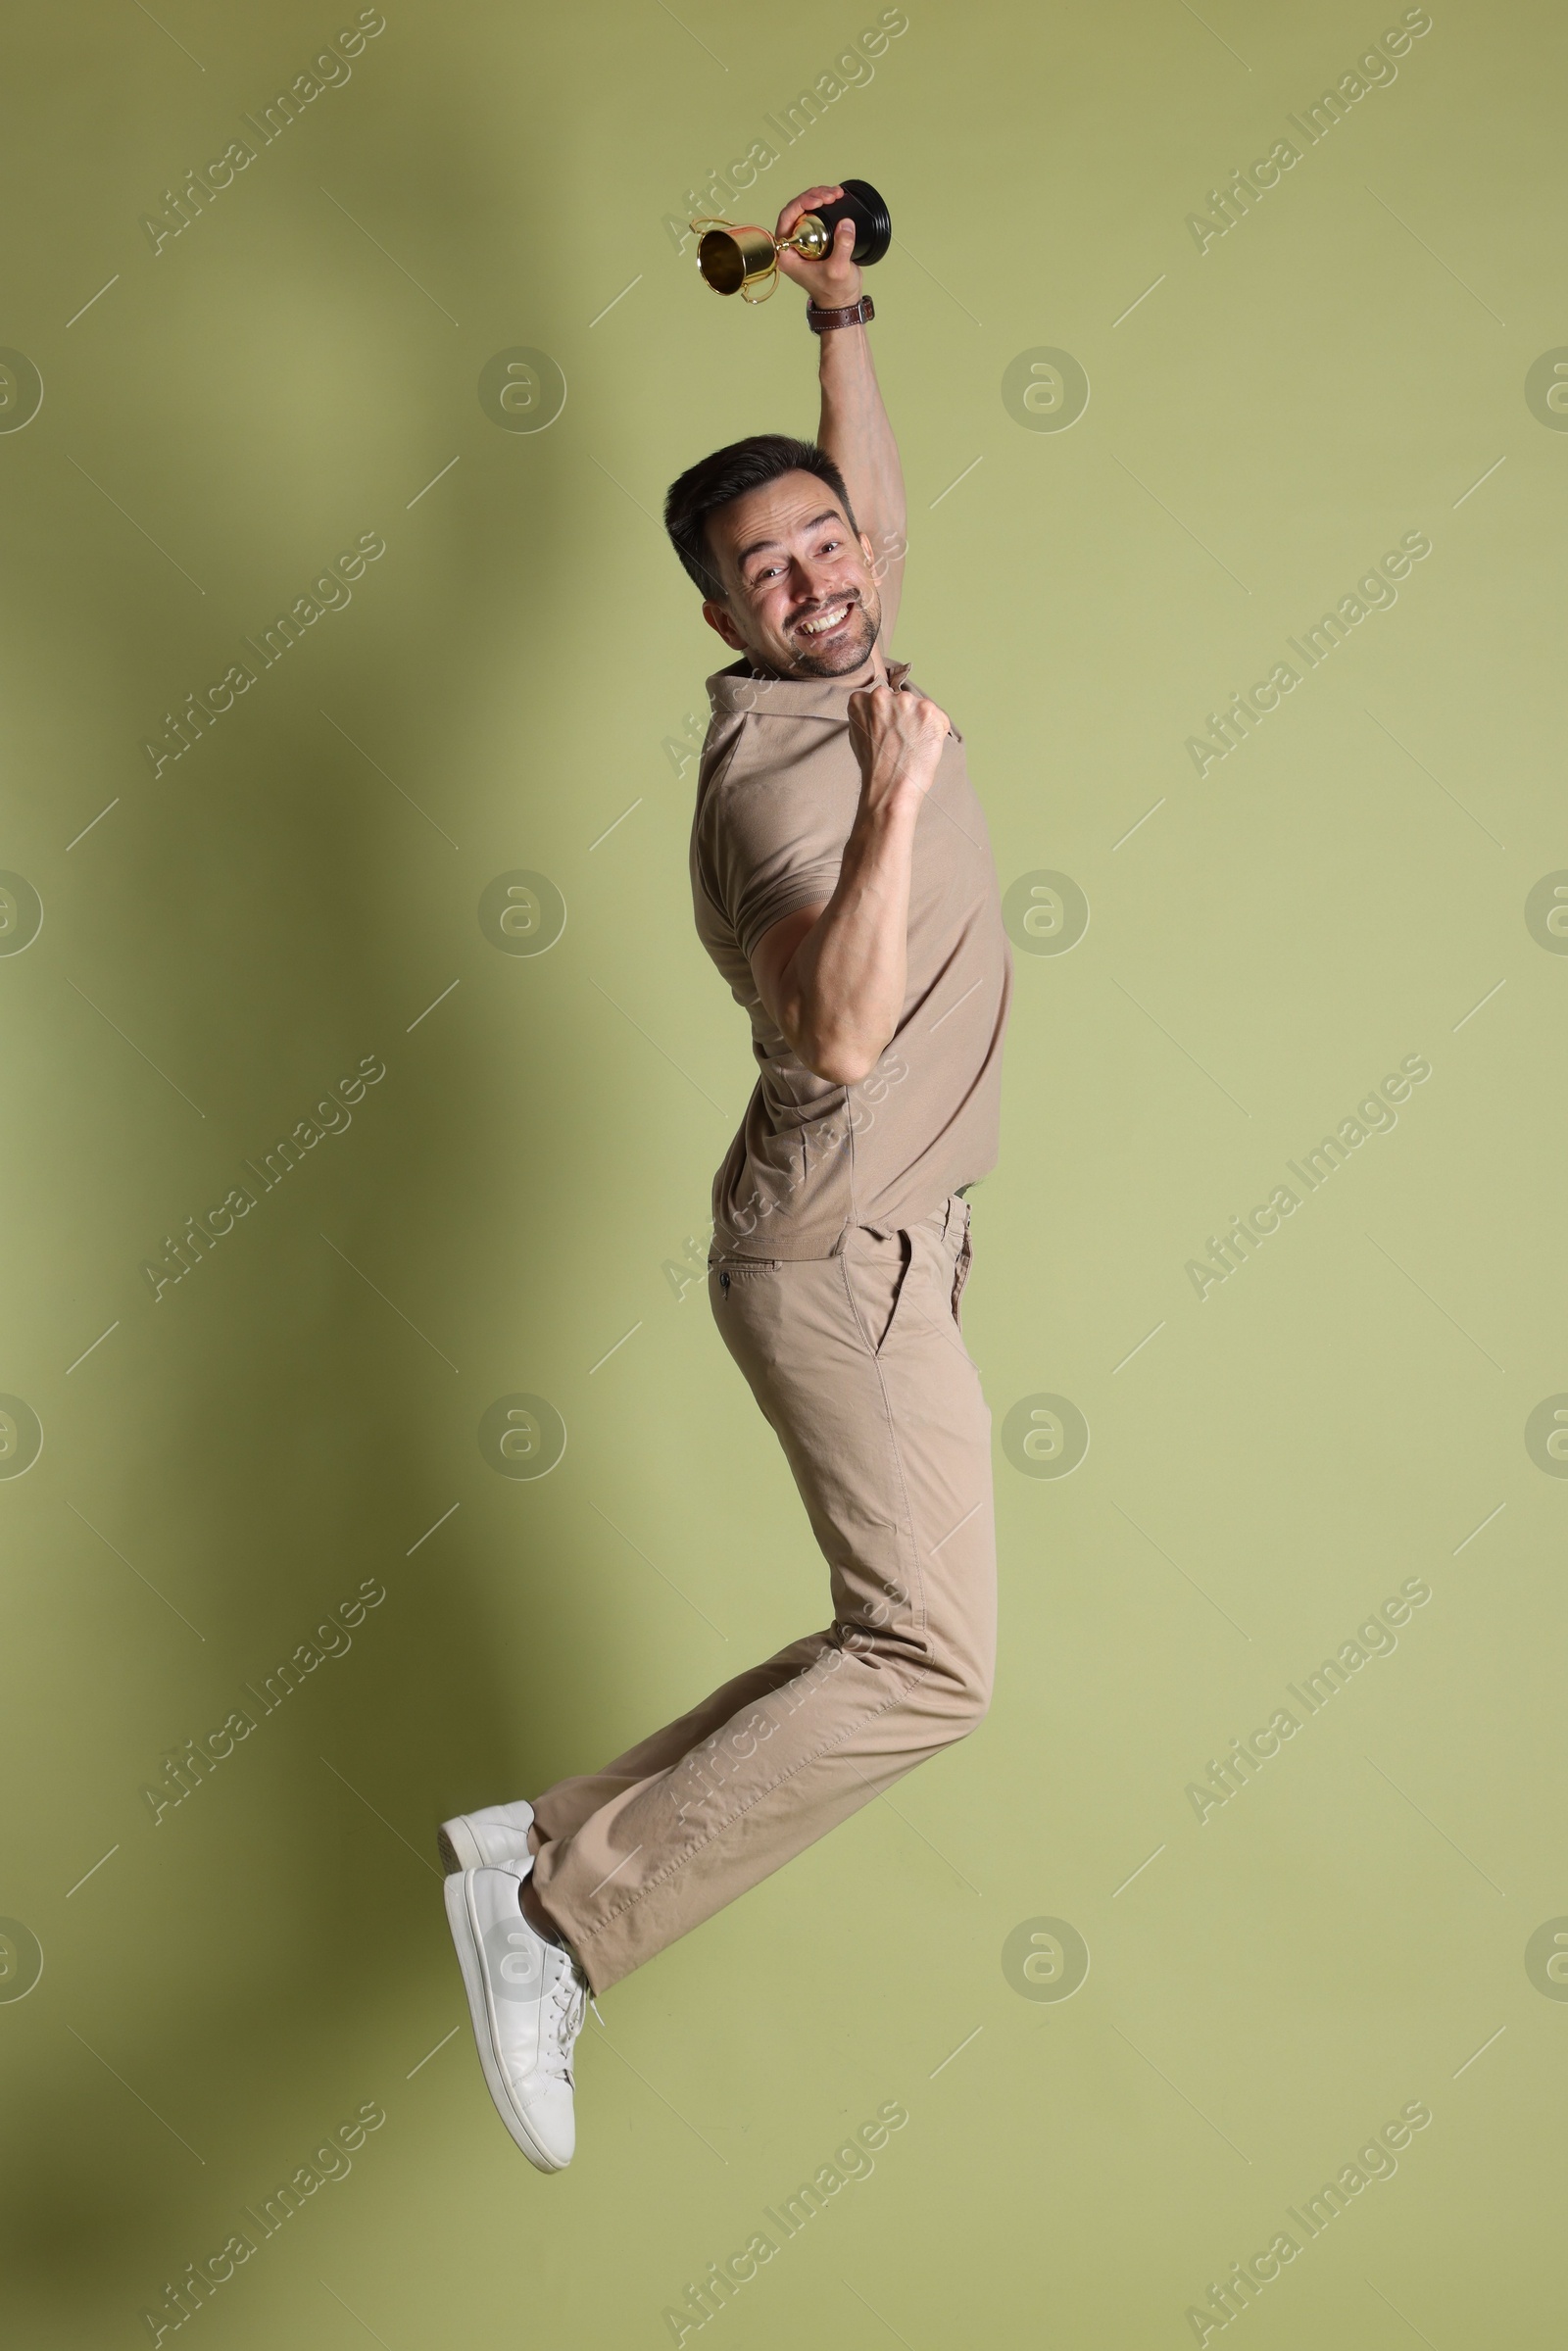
(737, 260)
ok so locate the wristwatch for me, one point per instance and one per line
(852, 313)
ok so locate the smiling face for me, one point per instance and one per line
(801, 600)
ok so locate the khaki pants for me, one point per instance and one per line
(858, 1363)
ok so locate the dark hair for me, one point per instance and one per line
(729, 474)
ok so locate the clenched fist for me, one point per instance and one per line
(897, 737)
(834, 281)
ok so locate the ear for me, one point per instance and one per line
(719, 617)
(867, 549)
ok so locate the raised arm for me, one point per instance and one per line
(854, 428)
(834, 976)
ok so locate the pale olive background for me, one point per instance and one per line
(522, 666)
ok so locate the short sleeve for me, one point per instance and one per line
(770, 895)
(777, 825)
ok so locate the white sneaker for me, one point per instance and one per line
(491, 1840)
(527, 1998)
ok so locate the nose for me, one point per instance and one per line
(816, 584)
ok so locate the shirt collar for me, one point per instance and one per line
(738, 689)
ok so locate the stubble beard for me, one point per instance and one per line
(852, 655)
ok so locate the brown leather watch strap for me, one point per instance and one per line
(852, 313)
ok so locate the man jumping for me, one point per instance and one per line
(842, 883)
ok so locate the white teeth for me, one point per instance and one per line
(814, 628)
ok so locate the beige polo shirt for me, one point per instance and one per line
(777, 790)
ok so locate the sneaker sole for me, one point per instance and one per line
(466, 1939)
(448, 1836)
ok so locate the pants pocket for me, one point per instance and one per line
(960, 1274)
(725, 1272)
(879, 1280)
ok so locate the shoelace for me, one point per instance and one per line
(568, 2008)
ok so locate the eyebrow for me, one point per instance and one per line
(761, 545)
